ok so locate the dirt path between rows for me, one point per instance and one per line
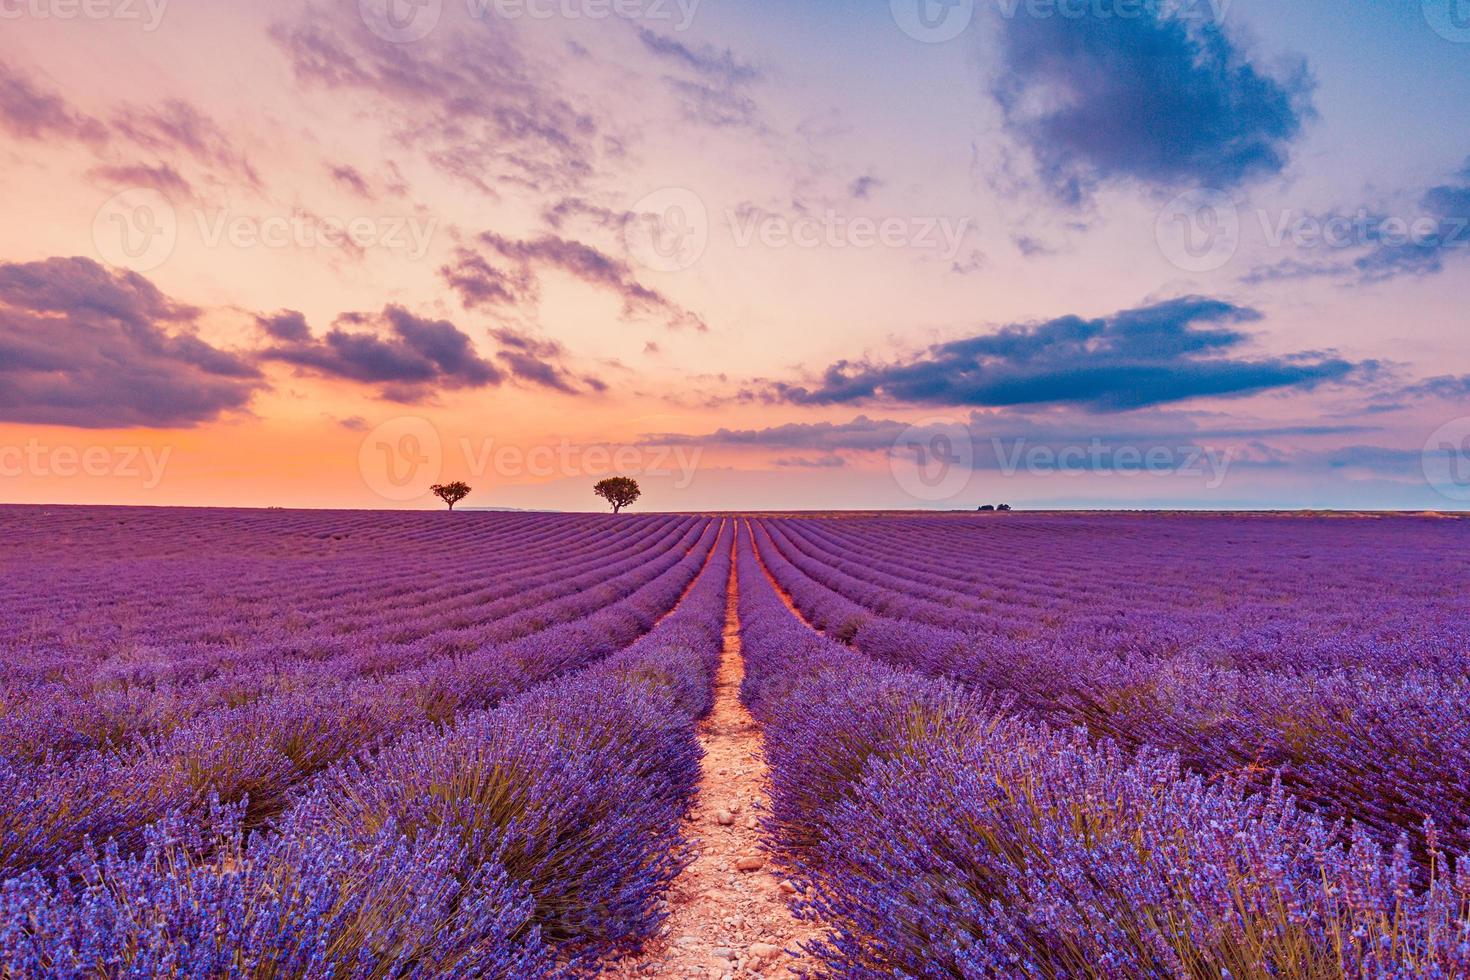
(725, 920)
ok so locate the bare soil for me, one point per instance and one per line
(724, 921)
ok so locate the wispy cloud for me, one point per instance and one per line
(713, 87)
(162, 178)
(27, 111)
(481, 281)
(470, 100)
(1375, 245)
(178, 127)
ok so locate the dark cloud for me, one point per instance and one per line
(1374, 246)
(712, 88)
(539, 361)
(479, 281)
(84, 346)
(1153, 98)
(530, 368)
(27, 112)
(412, 358)
(415, 359)
(287, 325)
(1168, 352)
(468, 99)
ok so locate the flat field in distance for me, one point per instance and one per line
(352, 743)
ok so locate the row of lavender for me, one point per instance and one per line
(939, 834)
(284, 720)
(264, 742)
(532, 840)
(81, 621)
(1333, 653)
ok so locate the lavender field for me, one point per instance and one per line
(358, 744)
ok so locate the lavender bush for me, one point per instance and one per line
(1333, 652)
(268, 744)
(940, 834)
(534, 838)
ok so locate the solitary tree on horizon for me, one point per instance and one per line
(451, 493)
(619, 491)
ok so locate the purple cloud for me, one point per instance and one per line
(173, 127)
(351, 178)
(830, 462)
(84, 346)
(469, 99)
(176, 126)
(704, 60)
(26, 112)
(539, 362)
(480, 282)
(287, 325)
(417, 358)
(571, 208)
(715, 94)
(162, 178)
(863, 188)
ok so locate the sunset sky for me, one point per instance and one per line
(757, 254)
